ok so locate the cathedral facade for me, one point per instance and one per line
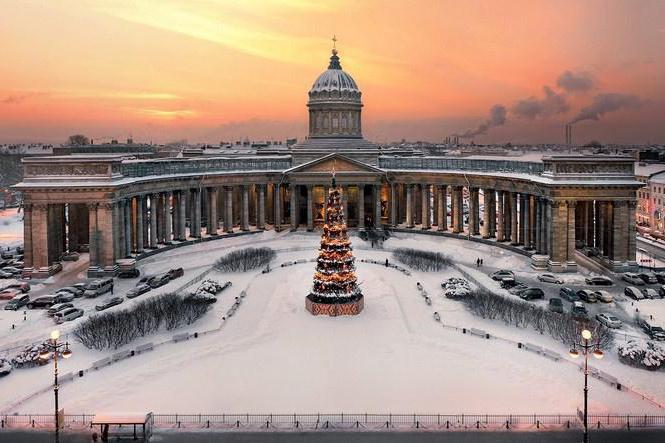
(557, 211)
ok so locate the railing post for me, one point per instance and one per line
(507, 425)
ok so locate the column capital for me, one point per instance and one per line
(91, 206)
(571, 203)
(44, 206)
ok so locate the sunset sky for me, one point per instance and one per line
(211, 70)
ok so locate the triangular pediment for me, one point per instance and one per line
(340, 163)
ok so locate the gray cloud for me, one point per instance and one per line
(573, 82)
(608, 102)
(533, 107)
(497, 117)
(14, 99)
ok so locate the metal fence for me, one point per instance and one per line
(461, 164)
(357, 421)
(143, 168)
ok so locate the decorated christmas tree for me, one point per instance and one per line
(335, 290)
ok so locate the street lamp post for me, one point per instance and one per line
(52, 346)
(586, 345)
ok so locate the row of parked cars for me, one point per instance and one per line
(644, 278)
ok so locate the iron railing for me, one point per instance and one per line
(461, 164)
(140, 168)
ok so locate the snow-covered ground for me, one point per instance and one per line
(273, 356)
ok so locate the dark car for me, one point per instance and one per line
(555, 305)
(20, 250)
(599, 280)
(660, 276)
(175, 273)
(578, 311)
(654, 332)
(568, 294)
(146, 279)
(70, 256)
(661, 291)
(138, 290)
(17, 302)
(109, 303)
(159, 280)
(12, 270)
(129, 273)
(648, 277)
(531, 294)
(45, 301)
(6, 255)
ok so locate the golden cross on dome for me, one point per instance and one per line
(334, 39)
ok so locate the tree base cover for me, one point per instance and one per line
(335, 309)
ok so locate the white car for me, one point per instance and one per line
(650, 293)
(609, 320)
(633, 292)
(604, 296)
(68, 315)
(550, 278)
(632, 278)
(57, 308)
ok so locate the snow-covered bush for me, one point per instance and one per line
(421, 260)
(117, 328)
(456, 288)
(29, 357)
(212, 287)
(5, 367)
(642, 354)
(245, 259)
(560, 326)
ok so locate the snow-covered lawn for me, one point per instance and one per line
(273, 356)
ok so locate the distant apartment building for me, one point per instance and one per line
(650, 211)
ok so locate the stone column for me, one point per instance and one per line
(153, 221)
(105, 226)
(294, 206)
(310, 208)
(377, 207)
(278, 207)
(460, 205)
(409, 206)
(620, 238)
(361, 206)
(474, 211)
(532, 222)
(571, 264)
(485, 231)
(118, 229)
(182, 215)
(245, 208)
(538, 231)
(547, 226)
(228, 202)
(513, 218)
(559, 236)
(630, 233)
(393, 205)
(500, 218)
(261, 220)
(524, 218)
(168, 220)
(27, 236)
(589, 234)
(441, 209)
(139, 224)
(424, 206)
(213, 221)
(197, 213)
(39, 239)
(456, 209)
(492, 209)
(127, 203)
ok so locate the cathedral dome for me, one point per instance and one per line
(334, 103)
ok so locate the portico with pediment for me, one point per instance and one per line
(362, 191)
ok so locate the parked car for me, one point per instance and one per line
(632, 278)
(64, 296)
(654, 332)
(599, 280)
(9, 293)
(175, 273)
(99, 287)
(507, 282)
(17, 302)
(159, 280)
(5, 367)
(14, 271)
(517, 288)
(587, 295)
(68, 315)
(609, 320)
(70, 256)
(555, 305)
(20, 250)
(578, 311)
(24, 286)
(81, 285)
(633, 292)
(6, 255)
(78, 292)
(498, 275)
(84, 247)
(649, 293)
(550, 278)
(109, 303)
(5, 274)
(648, 278)
(568, 294)
(129, 273)
(138, 290)
(45, 301)
(604, 296)
(660, 276)
(661, 291)
(146, 279)
(531, 294)
(58, 307)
